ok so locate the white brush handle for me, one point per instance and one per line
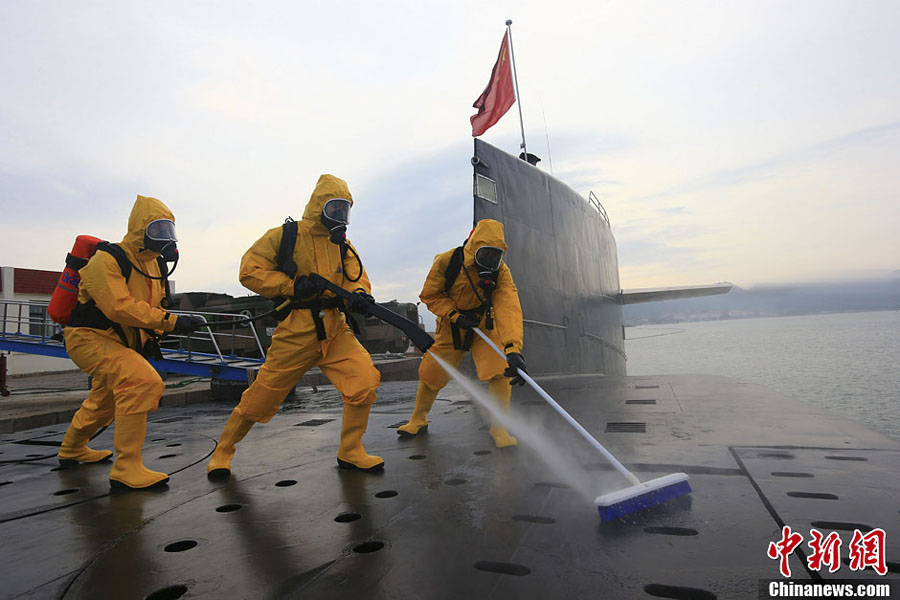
(584, 433)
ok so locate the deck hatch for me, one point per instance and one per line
(626, 427)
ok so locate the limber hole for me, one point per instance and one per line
(173, 445)
(504, 568)
(534, 519)
(348, 517)
(482, 452)
(813, 495)
(313, 422)
(168, 593)
(386, 494)
(776, 454)
(626, 427)
(685, 531)
(858, 458)
(417, 457)
(225, 508)
(455, 481)
(790, 474)
(2, 483)
(65, 492)
(841, 525)
(180, 546)
(158, 440)
(285, 483)
(168, 455)
(368, 547)
(676, 592)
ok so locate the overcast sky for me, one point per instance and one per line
(743, 141)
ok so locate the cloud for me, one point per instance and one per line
(770, 167)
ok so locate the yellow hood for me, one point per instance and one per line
(487, 232)
(327, 188)
(144, 211)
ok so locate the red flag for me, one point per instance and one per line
(498, 96)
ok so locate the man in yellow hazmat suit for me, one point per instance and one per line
(471, 287)
(315, 332)
(119, 300)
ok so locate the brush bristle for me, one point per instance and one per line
(643, 501)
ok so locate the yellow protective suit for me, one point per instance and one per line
(462, 296)
(295, 345)
(124, 383)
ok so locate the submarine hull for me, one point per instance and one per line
(562, 254)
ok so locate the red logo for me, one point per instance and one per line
(868, 551)
(827, 552)
(784, 548)
(864, 550)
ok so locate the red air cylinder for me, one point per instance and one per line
(65, 296)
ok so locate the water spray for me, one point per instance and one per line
(638, 495)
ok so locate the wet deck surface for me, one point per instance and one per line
(451, 516)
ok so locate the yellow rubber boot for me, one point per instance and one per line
(500, 390)
(236, 428)
(74, 448)
(351, 454)
(417, 424)
(129, 471)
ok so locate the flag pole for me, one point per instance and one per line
(512, 57)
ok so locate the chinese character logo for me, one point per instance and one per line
(825, 552)
(868, 551)
(782, 549)
(865, 550)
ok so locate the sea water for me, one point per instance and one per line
(847, 363)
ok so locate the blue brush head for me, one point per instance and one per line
(643, 501)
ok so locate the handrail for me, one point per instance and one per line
(595, 202)
(18, 321)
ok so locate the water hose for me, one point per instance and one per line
(416, 334)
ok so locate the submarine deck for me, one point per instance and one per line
(452, 516)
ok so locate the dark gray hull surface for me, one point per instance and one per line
(451, 516)
(562, 254)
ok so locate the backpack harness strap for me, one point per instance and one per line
(285, 264)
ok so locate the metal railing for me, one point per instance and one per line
(595, 202)
(27, 321)
(239, 340)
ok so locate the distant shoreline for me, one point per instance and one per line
(737, 317)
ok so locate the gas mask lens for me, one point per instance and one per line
(161, 230)
(337, 210)
(160, 237)
(489, 257)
